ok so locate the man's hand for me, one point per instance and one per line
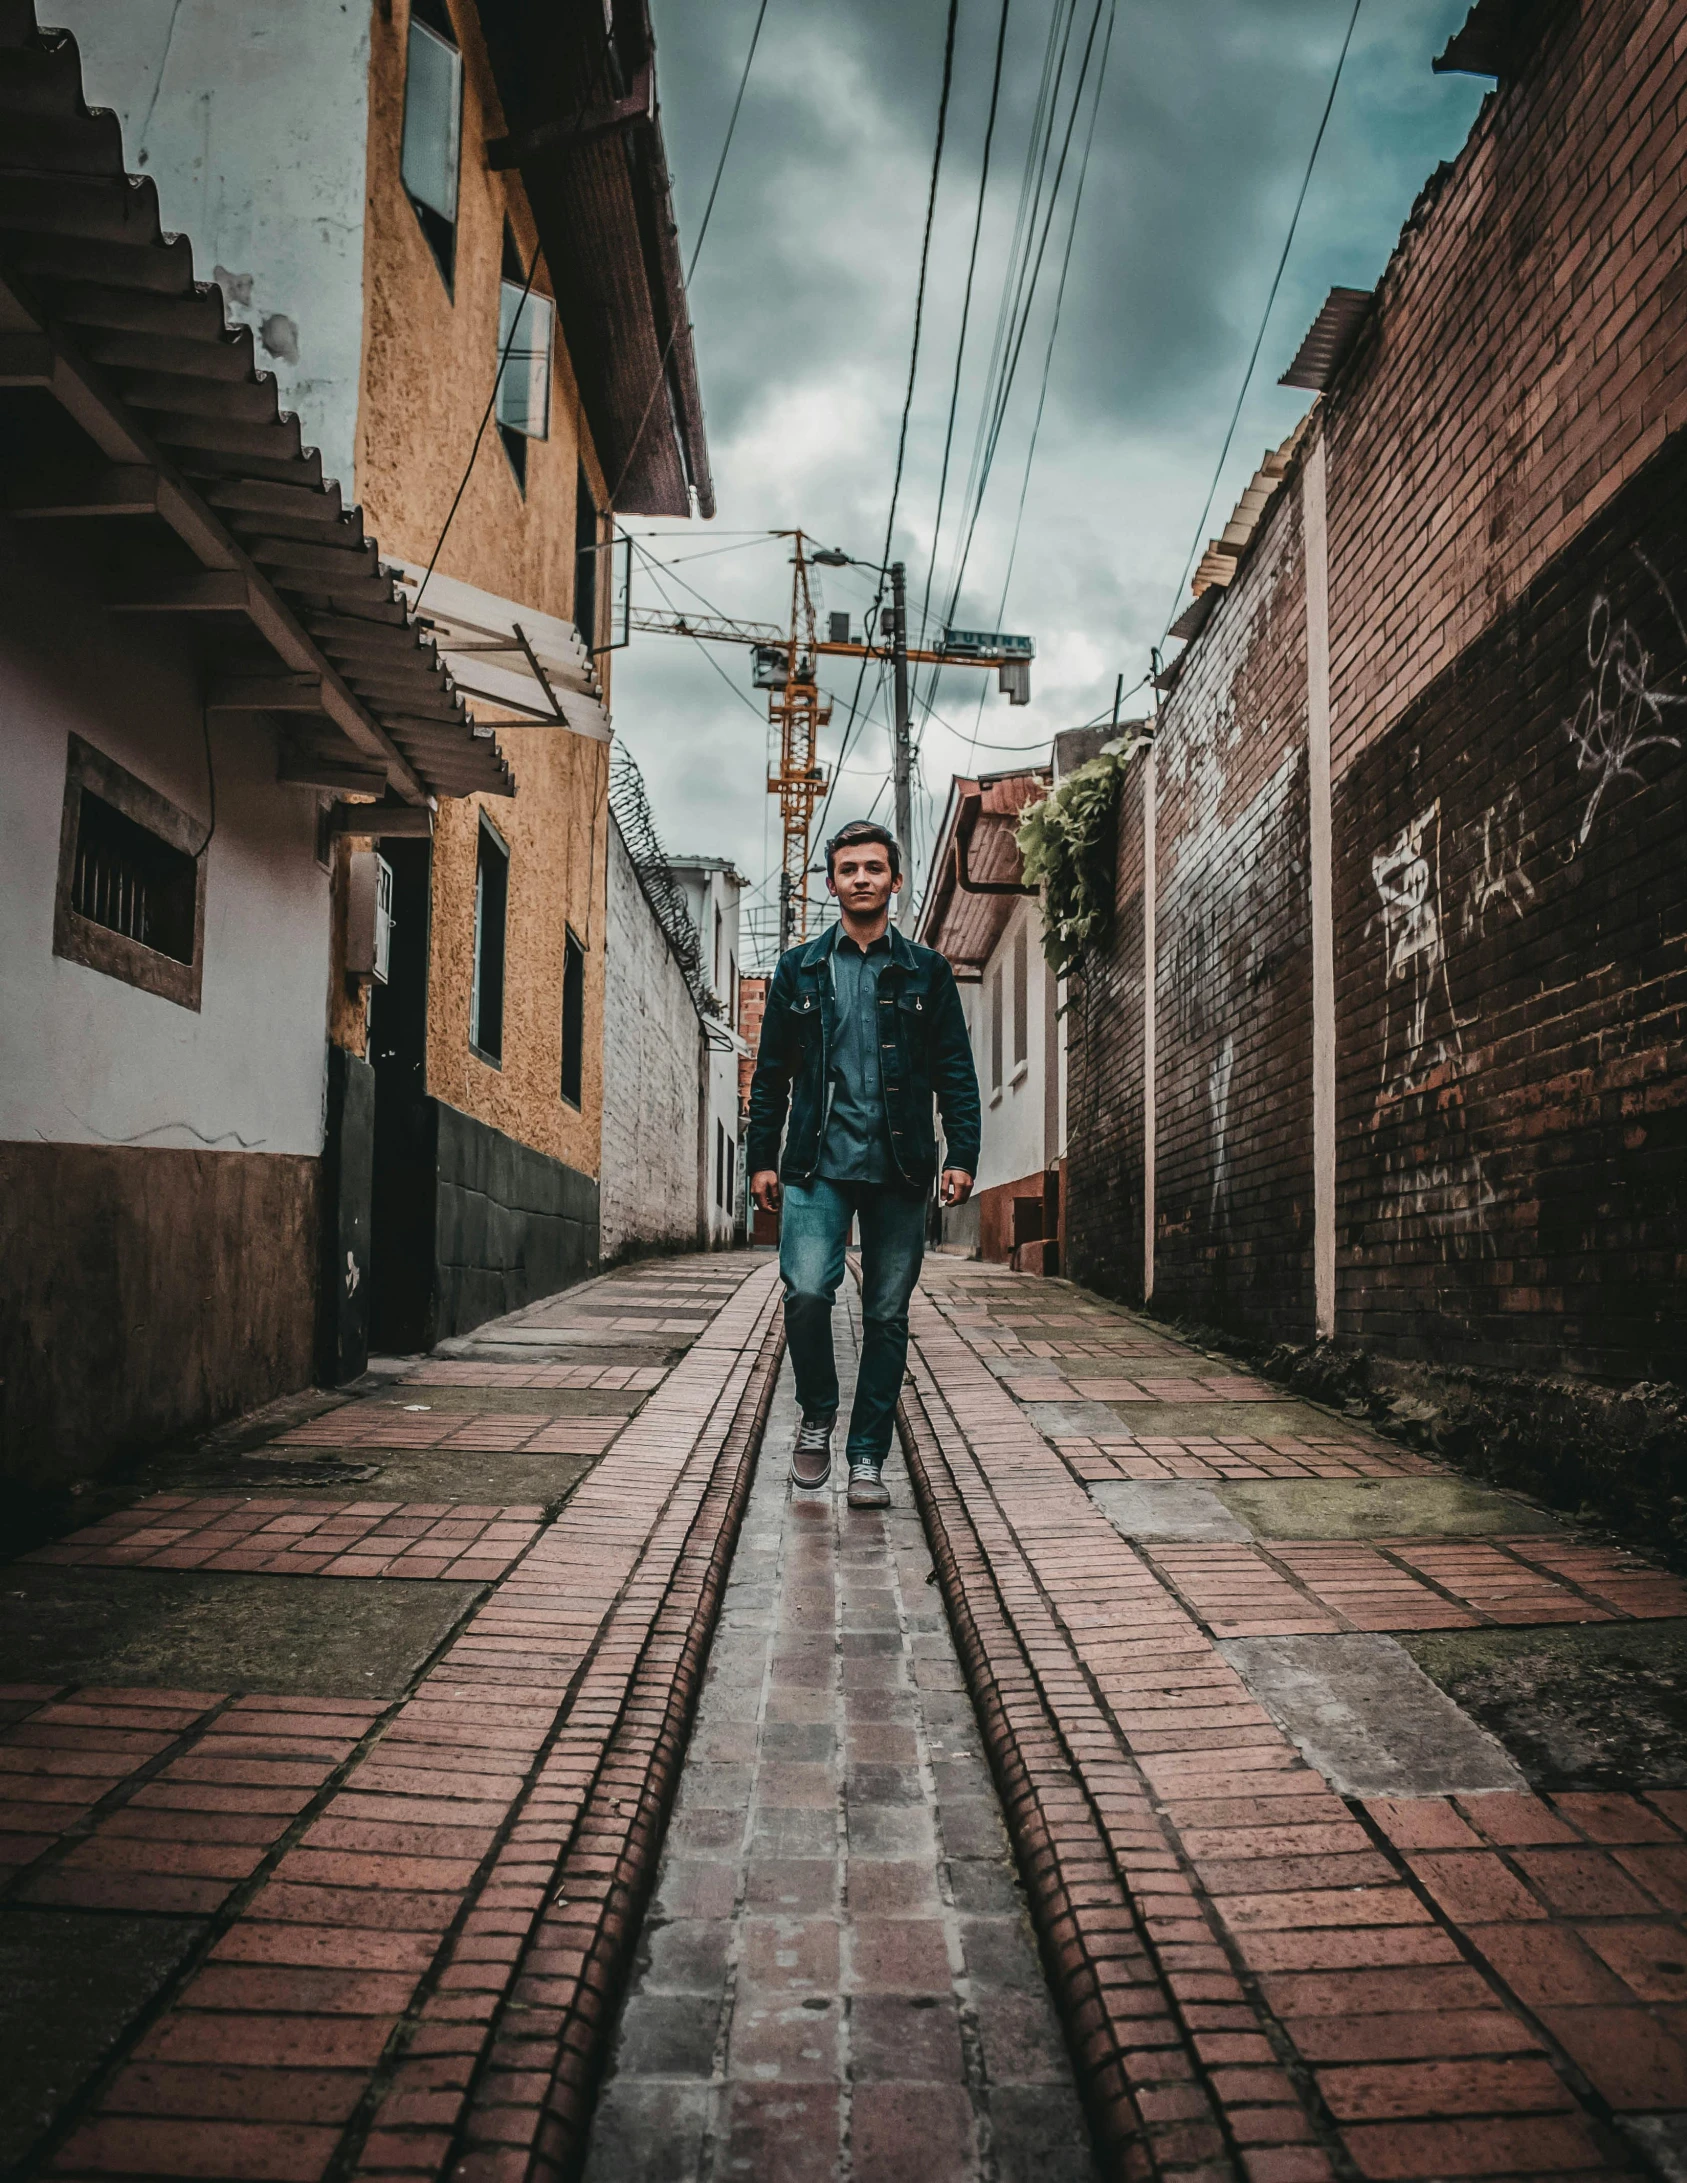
(957, 1186)
(764, 1188)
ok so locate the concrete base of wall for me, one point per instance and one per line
(146, 1293)
(510, 1224)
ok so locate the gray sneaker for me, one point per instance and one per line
(867, 1488)
(811, 1458)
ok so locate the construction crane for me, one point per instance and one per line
(783, 663)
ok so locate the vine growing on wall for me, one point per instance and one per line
(1067, 847)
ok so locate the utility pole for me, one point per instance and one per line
(901, 752)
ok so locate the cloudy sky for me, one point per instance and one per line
(803, 302)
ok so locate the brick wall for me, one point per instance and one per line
(652, 1064)
(752, 1003)
(1508, 687)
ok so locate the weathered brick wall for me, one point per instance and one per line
(1511, 962)
(1528, 355)
(1508, 669)
(1233, 1230)
(1104, 1052)
(651, 1078)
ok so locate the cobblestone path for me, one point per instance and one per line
(838, 1975)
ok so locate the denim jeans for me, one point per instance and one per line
(813, 1231)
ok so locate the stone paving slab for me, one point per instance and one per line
(838, 1974)
(1263, 1976)
(369, 1881)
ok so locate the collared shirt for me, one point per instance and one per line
(856, 1143)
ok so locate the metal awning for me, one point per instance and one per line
(505, 656)
(152, 432)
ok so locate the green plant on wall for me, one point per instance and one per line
(1067, 848)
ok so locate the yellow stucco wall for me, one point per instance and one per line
(428, 365)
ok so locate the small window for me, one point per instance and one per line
(996, 1028)
(585, 564)
(573, 1017)
(720, 1163)
(491, 901)
(1021, 997)
(433, 127)
(131, 887)
(526, 336)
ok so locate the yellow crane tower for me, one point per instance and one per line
(784, 664)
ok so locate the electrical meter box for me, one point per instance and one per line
(368, 916)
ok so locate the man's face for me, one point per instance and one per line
(860, 878)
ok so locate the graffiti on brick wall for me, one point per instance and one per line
(1420, 1032)
(1494, 846)
(1423, 1053)
(1623, 710)
(1218, 1095)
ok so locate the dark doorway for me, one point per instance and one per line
(402, 1212)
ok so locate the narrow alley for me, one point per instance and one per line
(843, 1091)
(1263, 1754)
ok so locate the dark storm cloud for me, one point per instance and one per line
(803, 307)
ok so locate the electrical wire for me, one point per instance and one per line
(480, 433)
(1024, 320)
(652, 565)
(1265, 320)
(966, 305)
(1059, 300)
(925, 256)
(1031, 179)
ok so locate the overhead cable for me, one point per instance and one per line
(1265, 320)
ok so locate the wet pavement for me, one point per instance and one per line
(838, 1974)
(1178, 1780)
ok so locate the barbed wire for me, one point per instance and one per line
(630, 802)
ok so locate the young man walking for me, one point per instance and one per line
(862, 1028)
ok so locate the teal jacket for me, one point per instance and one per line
(923, 1047)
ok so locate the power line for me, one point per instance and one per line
(652, 565)
(1259, 338)
(1024, 321)
(966, 304)
(1059, 300)
(925, 254)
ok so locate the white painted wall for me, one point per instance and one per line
(1015, 1132)
(86, 1058)
(712, 890)
(648, 1179)
(252, 118)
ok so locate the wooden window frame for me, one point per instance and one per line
(77, 939)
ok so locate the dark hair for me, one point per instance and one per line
(858, 831)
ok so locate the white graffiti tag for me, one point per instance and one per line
(1496, 842)
(1218, 1096)
(1621, 712)
(1420, 1032)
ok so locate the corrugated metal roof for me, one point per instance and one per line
(108, 325)
(1329, 339)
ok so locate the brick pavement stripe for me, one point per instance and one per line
(1356, 1924)
(341, 1943)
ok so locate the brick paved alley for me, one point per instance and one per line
(1180, 1779)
